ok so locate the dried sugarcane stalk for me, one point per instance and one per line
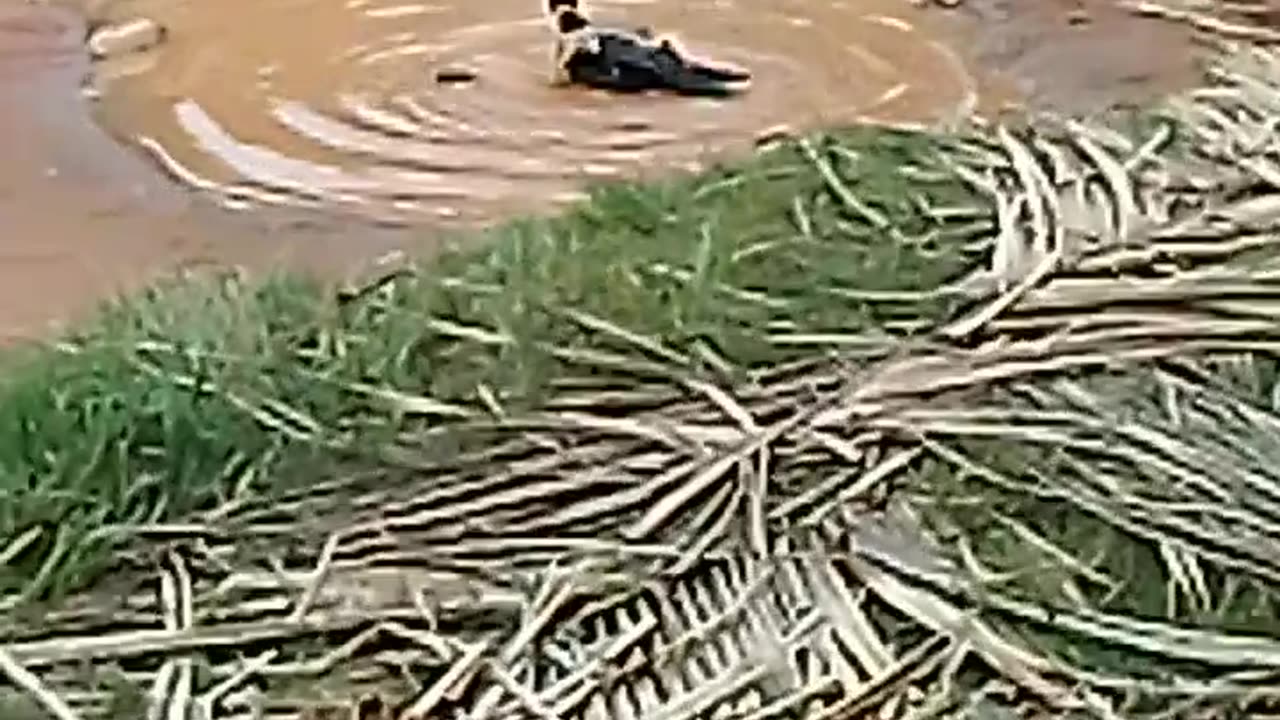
(791, 543)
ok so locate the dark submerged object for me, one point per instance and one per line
(455, 76)
(623, 60)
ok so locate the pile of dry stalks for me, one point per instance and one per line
(850, 536)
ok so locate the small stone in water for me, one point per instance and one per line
(455, 75)
(126, 37)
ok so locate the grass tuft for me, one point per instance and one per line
(169, 402)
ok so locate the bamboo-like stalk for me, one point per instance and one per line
(870, 531)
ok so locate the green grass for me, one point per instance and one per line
(168, 401)
(1085, 497)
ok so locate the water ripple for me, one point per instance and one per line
(245, 103)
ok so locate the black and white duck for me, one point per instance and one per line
(630, 60)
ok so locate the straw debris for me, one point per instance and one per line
(1062, 499)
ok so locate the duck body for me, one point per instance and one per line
(629, 61)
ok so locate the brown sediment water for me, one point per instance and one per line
(311, 133)
(344, 109)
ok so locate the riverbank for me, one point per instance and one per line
(226, 375)
(915, 423)
(84, 218)
(1020, 377)
(87, 213)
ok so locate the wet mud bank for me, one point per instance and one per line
(233, 139)
(1079, 56)
(83, 217)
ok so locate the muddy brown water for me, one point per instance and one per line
(310, 132)
(348, 113)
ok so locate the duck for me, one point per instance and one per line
(630, 60)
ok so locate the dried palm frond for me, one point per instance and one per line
(1061, 502)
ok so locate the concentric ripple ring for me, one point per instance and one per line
(335, 103)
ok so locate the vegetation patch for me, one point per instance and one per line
(174, 401)
(876, 422)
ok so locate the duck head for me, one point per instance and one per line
(566, 17)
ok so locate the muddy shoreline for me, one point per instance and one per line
(83, 217)
(1081, 56)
